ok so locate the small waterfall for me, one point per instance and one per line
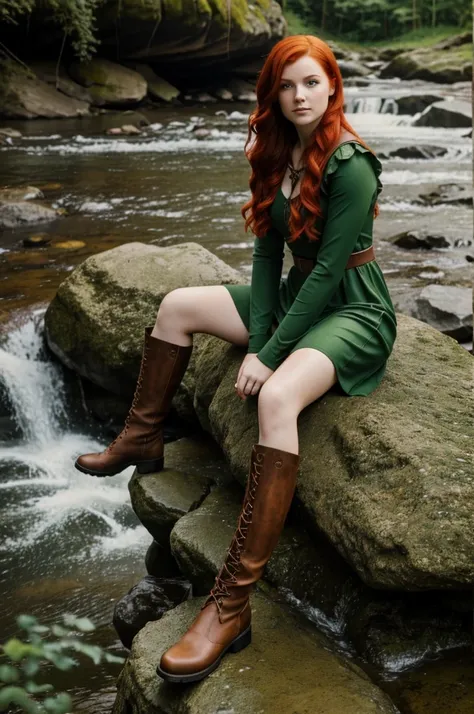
(45, 499)
(35, 387)
(371, 105)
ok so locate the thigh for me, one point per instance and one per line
(303, 377)
(208, 309)
(241, 296)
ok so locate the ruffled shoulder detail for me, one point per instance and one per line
(345, 151)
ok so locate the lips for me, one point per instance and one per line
(301, 110)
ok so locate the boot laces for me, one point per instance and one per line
(227, 575)
(136, 396)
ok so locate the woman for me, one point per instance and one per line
(331, 323)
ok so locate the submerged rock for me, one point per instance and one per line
(288, 667)
(20, 193)
(411, 240)
(450, 193)
(14, 214)
(421, 151)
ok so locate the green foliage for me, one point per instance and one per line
(17, 686)
(376, 20)
(75, 17)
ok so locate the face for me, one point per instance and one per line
(304, 84)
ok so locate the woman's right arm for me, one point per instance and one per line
(267, 266)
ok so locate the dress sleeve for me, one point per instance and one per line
(351, 193)
(267, 265)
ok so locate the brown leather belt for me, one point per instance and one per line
(306, 265)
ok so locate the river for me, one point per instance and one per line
(74, 544)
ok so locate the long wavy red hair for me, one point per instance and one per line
(271, 137)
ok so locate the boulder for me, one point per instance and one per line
(186, 38)
(420, 151)
(448, 308)
(108, 83)
(159, 500)
(446, 66)
(58, 77)
(462, 39)
(288, 667)
(95, 322)
(449, 193)
(147, 601)
(24, 96)
(416, 103)
(387, 478)
(20, 193)
(158, 88)
(383, 626)
(412, 240)
(351, 68)
(455, 114)
(14, 214)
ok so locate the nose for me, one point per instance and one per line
(299, 94)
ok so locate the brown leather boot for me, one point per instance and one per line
(223, 624)
(140, 443)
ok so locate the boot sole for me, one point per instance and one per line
(242, 641)
(143, 467)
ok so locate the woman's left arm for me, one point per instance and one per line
(352, 193)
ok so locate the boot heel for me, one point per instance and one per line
(242, 641)
(148, 467)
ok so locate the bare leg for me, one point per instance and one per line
(303, 377)
(208, 309)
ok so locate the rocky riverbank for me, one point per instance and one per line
(396, 514)
(44, 89)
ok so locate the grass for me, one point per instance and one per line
(425, 37)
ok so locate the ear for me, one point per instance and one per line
(332, 90)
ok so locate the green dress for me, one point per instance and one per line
(345, 313)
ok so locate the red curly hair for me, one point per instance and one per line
(270, 150)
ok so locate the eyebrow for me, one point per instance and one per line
(285, 79)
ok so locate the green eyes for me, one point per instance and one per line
(309, 82)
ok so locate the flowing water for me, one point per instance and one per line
(72, 543)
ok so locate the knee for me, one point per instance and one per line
(274, 403)
(172, 305)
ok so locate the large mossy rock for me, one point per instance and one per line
(288, 667)
(95, 323)
(109, 83)
(23, 95)
(384, 627)
(175, 33)
(453, 64)
(389, 477)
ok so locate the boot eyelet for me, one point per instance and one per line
(259, 457)
(278, 464)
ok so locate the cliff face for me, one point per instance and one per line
(185, 36)
(180, 32)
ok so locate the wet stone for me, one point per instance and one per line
(160, 499)
(288, 667)
(147, 601)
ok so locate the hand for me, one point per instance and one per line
(252, 375)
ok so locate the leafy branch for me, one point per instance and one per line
(17, 678)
